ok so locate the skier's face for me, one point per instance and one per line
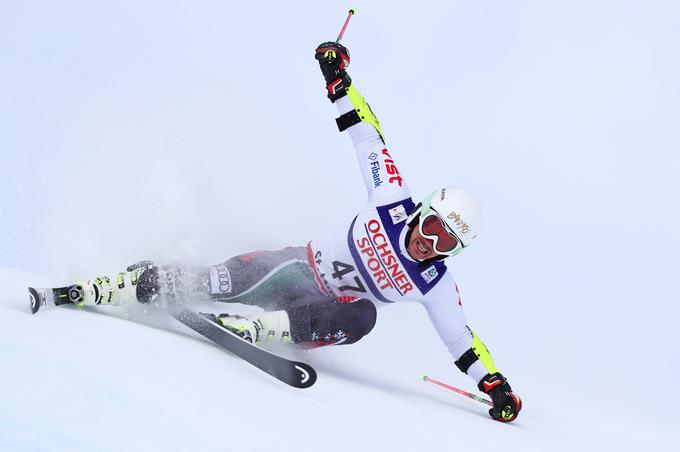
(419, 247)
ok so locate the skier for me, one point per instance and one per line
(326, 293)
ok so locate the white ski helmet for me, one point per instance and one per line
(459, 211)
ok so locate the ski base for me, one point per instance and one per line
(293, 373)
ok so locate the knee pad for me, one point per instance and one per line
(356, 318)
(362, 316)
(328, 322)
(147, 285)
(145, 278)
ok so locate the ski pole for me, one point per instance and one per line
(459, 391)
(344, 27)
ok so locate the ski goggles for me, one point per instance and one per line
(444, 241)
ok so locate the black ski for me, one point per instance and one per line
(42, 298)
(294, 373)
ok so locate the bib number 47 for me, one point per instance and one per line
(340, 269)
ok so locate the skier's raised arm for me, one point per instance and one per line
(422, 236)
(381, 177)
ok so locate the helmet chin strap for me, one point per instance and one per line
(411, 222)
(412, 219)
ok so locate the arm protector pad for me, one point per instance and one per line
(477, 351)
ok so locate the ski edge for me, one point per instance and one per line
(306, 374)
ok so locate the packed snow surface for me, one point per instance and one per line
(78, 379)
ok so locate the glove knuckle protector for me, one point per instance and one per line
(333, 60)
(506, 404)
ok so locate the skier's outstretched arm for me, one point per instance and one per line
(471, 356)
(382, 179)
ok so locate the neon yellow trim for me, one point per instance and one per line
(483, 354)
(364, 110)
(225, 322)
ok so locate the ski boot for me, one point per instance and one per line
(256, 328)
(138, 284)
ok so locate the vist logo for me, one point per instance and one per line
(392, 170)
(381, 261)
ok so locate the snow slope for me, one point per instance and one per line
(93, 380)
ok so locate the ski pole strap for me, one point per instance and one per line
(347, 120)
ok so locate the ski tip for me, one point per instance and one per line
(306, 377)
(34, 298)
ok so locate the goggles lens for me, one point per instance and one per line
(433, 228)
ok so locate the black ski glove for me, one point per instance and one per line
(506, 404)
(333, 59)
